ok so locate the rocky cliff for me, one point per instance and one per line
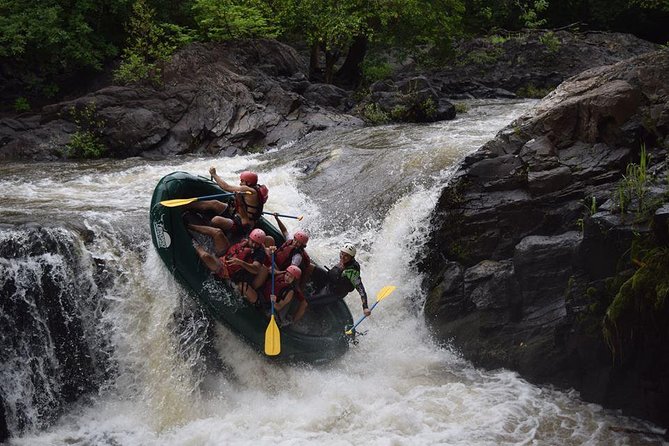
(216, 98)
(548, 254)
(222, 98)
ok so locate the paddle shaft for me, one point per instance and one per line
(272, 284)
(213, 197)
(176, 202)
(283, 215)
(382, 294)
(364, 317)
(272, 334)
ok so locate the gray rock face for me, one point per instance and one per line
(528, 234)
(488, 69)
(216, 98)
(411, 99)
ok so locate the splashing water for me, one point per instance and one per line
(396, 386)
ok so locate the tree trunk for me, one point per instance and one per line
(315, 73)
(350, 73)
(331, 58)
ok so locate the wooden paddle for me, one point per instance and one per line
(382, 294)
(184, 201)
(272, 334)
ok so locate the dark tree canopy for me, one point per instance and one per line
(46, 43)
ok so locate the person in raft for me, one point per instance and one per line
(293, 252)
(250, 198)
(345, 276)
(285, 290)
(241, 263)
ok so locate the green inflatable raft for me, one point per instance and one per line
(317, 338)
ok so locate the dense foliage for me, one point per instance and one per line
(46, 43)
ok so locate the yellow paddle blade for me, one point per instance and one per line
(272, 338)
(384, 292)
(349, 332)
(177, 202)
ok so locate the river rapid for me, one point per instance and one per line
(164, 383)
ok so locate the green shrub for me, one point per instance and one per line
(461, 107)
(484, 56)
(86, 142)
(227, 20)
(530, 11)
(374, 114)
(428, 108)
(639, 307)
(148, 47)
(634, 185)
(375, 71)
(550, 41)
(531, 91)
(399, 113)
(21, 105)
(497, 39)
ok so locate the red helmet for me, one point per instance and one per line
(258, 236)
(250, 178)
(301, 237)
(294, 271)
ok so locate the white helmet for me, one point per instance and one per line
(349, 249)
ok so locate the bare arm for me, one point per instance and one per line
(286, 301)
(227, 186)
(282, 227)
(253, 268)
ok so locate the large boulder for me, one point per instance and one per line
(531, 63)
(538, 240)
(216, 98)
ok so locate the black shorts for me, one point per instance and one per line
(243, 276)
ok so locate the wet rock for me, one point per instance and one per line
(328, 95)
(546, 181)
(245, 95)
(4, 432)
(55, 294)
(525, 63)
(539, 207)
(661, 224)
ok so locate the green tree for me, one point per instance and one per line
(345, 27)
(148, 47)
(43, 41)
(235, 19)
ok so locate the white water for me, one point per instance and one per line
(396, 387)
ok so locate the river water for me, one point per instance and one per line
(166, 385)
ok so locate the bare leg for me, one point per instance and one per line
(222, 223)
(248, 292)
(261, 277)
(210, 205)
(221, 243)
(210, 261)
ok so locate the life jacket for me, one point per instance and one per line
(254, 212)
(284, 255)
(268, 259)
(341, 284)
(281, 288)
(239, 250)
